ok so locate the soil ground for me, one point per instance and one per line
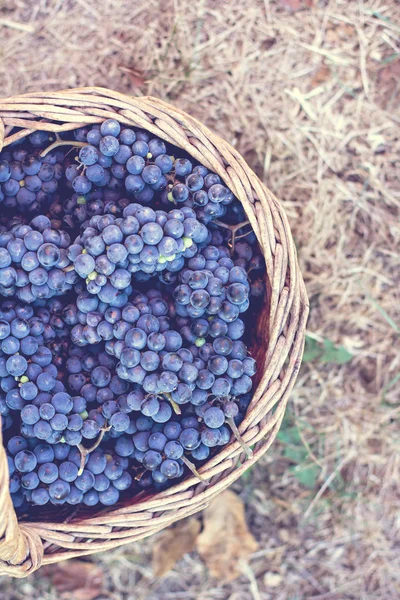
(308, 92)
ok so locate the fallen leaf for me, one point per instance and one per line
(136, 76)
(76, 580)
(173, 543)
(225, 541)
(388, 85)
(295, 5)
(346, 30)
(390, 72)
(331, 35)
(341, 31)
(322, 75)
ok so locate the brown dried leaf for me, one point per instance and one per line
(77, 580)
(225, 541)
(322, 75)
(173, 543)
(346, 30)
(136, 76)
(331, 35)
(390, 72)
(295, 5)
(388, 85)
(341, 31)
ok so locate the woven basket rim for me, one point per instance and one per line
(25, 546)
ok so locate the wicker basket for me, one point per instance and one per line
(279, 334)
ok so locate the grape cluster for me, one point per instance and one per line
(29, 181)
(143, 241)
(34, 261)
(124, 161)
(183, 359)
(197, 187)
(27, 370)
(41, 473)
(123, 331)
(77, 209)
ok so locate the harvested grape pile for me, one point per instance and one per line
(129, 277)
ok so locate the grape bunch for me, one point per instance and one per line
(111, 250)
(130, 280)
(29, 181)
(42, 473)
(78, 209)
(125, 161)
(34, 261)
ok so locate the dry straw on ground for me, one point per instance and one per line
(311, 99)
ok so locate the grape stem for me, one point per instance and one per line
(235, 430)
(175, 406)
(59, 142)
(233, 229)
(193, 469)
(85, 451)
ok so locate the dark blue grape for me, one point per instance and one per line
(68, 471)
(173, 449)
(109, 497)
(16, 365)
(214, 417)
(95, 173)
(110, 127)
(189, 438)
(221, 387)
(44, 453)
(85, 481)
(151, 174)
(5, 171)
(90, 429)
(180, 192)
(113, 468)
(101, 483)
(59, 490)
(120, 421)
(157, 441)
(109, 145)
(30, 414)
(91, 498)
(202, 452)
(88, 155)
(75, 496)
(164, 413)
(134, 183)
(40, 496)
(210, 437)
(170, 469)
(59, 422)
(25, 461)
(124, 482)
(152, 460)
(172, 430)
(42, 430)
(48, 473)
(150, 406)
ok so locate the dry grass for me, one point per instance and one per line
(311, 99)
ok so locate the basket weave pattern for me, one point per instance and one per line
(25, 546)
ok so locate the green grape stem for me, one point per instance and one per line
(85, 451)
(59, 142)
(193, 469)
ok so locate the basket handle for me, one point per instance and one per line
(21, 549)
